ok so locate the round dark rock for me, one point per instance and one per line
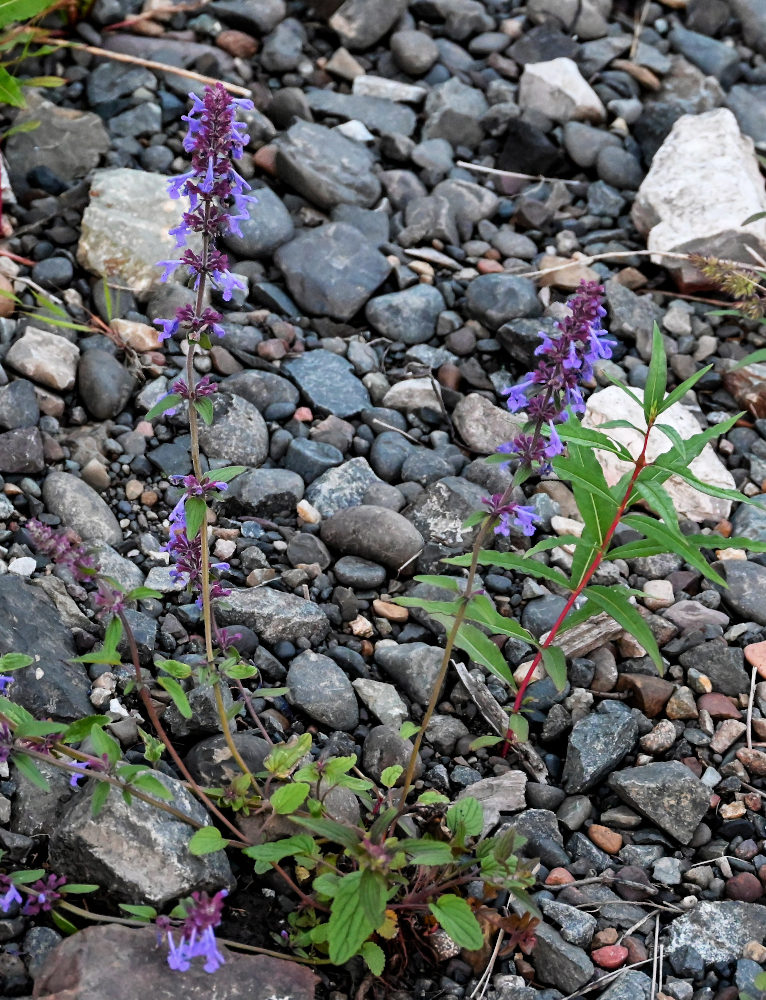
(383, 748)
(319, 687)
(305, 548)
(55, 272)
(373, 533)
(617, 167)
(18, 405)
(745, 887)
(495, 299)
(103, 384)
(267, 227)
(409, 316)
(414, 52)
(359, 573)
(311, 458)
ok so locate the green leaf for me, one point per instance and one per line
(14, 661)
(35, 729)
(176, 692)
(408, 730)
(204, 407)
(103, 743)
(42, 81)
(195, 509)
(374, 957)
(329, 829)
(522, 564)
(348, 926)
(79, 888)
(139, 912)
(15, 11)
(113, 633)
(431, 797)
(99, 797)
(719, 542)
(25, 877)
(555, 664)
(466, 817)
(283, 758)
(680, 390)
(426, 851)
(390, 775)
(62, 923)
(207, 840)
(483, 650)
(658, 499)
(28, 126)
(30, 771)
(264, 855)
(754, 358)
(673, 541)
(445, 582)
(162, 405)
(485, 741)
(372, 892)
(10, 89)
(519, 725)
(227, 473)
(456, 917)
(175, 668)
(430, 607)
(614, 601)
(657, 379)
(480, 609)
(288, 798)
(591, 438)
(143, 594)
(241, 672)
(149, 783)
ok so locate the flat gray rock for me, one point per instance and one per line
(273, 615)
(80, 508)
(326, 167)
(374, 533)
(667, 793)
(361, 23)
(596, 746)
(328, 383)
(319, 687)
(494, 299)
(332, 270)
(718, 931)
(266, 492)
(269, 226)
(238, 434)
(414, 666)
(377, 113)
(341, 487)
(558, 963)
(408, 317)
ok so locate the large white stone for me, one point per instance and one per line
(558, 90)
(703, 183)
(612, 403)
(125, 228)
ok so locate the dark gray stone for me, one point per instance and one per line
(361, 23)
(360, 574)
(749, 106)
(18, 405)
(495, 299)
(453, 111)
(304, 548)
(597, 745)
(283, 49)
(332, 270)
(325, 166)
(21, 451)
(374, 226)
(377, 113)
(722, 663)
(51, 687)
(408, 317)
(266, 493)
(318, 686)
(414, 666)
(80, 508)
(238, 434)
(159, 868)
(388, 453)
(341, 487)
(327, 382)
(427, 219)
(374, 533)
(142, 120)
(383, 748)
(311, 458)
(747, 585)
(563, 965)
(414, 52)
(254, 18)
(714, 58)
(267, 227)
(749, 520)
(103, 383)
(752, 16)
(273, 615)
(440, 511)
(619, 168)
(667, 793)
(211, 763)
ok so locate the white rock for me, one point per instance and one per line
(46, 358)
(501, 794)
(659, 594)
(558, 90)
(23, 566)
(355, 130)
(392, 90)
(411, 394)
(613, 402)
(705, 216)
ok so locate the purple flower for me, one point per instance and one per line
(197, 935)
(63, 547)
(5, 680)
(47, 894)
(95, 764)
(10, 894)
(510, 515)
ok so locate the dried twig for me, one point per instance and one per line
(750, 700)
(655, 956)
(483, 983)
(637, 28)
(513, 175)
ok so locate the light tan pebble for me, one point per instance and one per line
(258, 576)
(566, 525)
(144, 428)
(149, 498)
(732, 810)
(421, 267)
(755, 951)
(392, 612)
(361, 627)
(658, 594)
(728, 732)
(133, 489)
(308, 513)
(753, 760)
(734, 554)
(140, 336)
(660, 739)
(96, 475)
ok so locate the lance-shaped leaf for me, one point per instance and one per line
(614, 601)
(657, 377)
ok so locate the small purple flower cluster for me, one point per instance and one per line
(45, 894)
(187, 552)
(217, 203)
(548, 393)
(63, 547)
(197, 935)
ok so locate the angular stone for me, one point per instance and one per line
(68, 142)
(667, 793)
(327, 382)
(361, 23)
(563, 965)
(81, 508)
(440, 511)
(326, 167)
(650, 694)
(374, 533)
(124, 963)
(21, 451)
(484, 426)
(377, 113)
(125, 227)
(596, 746)
(238, 434)
(273, 615)
(382, 700)
(266, 492)
(747, 584)
(159, 867)
(268, 226)
(46, 358)
(602, 406)
(341, 487)
(722, 663)
(413, 665)
(319, 687)
(494, 299)
(558, 90)
(332, 270)
(705, 217)
(498, 795)
(718, 931)
(408, 317)
(261, 388)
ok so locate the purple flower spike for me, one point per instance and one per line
(197, 935)
(10, 894)
(510, 515)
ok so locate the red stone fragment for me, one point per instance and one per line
(610, 957)
(559, 876)
(744, 887)
(719, 706)
(650, 694)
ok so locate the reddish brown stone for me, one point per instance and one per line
(125, 964)
(718, 706)
(608, 840)
(650, 694)
(748, 386)
(629, 881)
(485, 266)
(224, 363)
(449, 376)
(237, 44)
(611, 957)
(744, 887)
(272, 350)
(266, 159)
(605, 938)
(559, 876)
(754, 761)
(637, 951)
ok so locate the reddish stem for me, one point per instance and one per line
(604, 547)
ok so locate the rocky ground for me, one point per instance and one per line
(393, 291)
